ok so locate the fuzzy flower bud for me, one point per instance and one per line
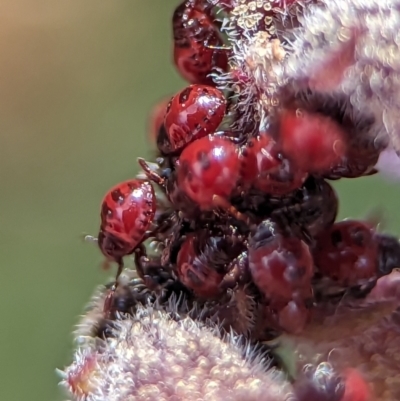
(151, 356)
(363, 336)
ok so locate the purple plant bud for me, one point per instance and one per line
(365, 35)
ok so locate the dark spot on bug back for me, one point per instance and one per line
(184, 95)
(358, 236)
(106, 211)
(150, 205)
(132, 186)
(336, 237)
(117, 196)
(204, 160)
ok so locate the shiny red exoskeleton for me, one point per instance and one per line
(315, 143)
(266, 169)
(209, 169)
(167, 181)
(194, 269)
(156, 120)
(192, 113)
(198, 46)
(347, 252)
(205, 260)
(127, 212)
(179, 199)
(281, 266)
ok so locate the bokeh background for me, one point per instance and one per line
(77, 81)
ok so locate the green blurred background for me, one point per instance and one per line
(77, 80)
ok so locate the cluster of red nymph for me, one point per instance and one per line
(238, 204)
